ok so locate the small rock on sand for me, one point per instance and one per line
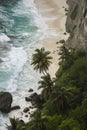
(26, 110)
(30, 90)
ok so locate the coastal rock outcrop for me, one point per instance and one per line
(36, 100)
(5, 102)
(76, 24)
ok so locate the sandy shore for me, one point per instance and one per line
(53, 13)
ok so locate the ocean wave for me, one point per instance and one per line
(22, 34)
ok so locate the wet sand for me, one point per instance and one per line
(53, 14)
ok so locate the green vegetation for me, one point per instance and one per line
(41, 60)
(64, 98)
(16, 125)
(46, 84)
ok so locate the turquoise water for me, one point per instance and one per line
(20, 30)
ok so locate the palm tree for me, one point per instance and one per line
(46, 84)
(41, 60)
(66, 57)
(16, 125)
(61, 97)
(64, 52)
(38, 122)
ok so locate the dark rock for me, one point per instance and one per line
(62, 41)
(65, 33)
(36, 100)
(66, 13)
(26, 115)
(26, 110)
(66, 9)
(15, 108)
(30, 90)
(33, 95)
(22, 121)
(31, 107)
(28, 99)
(29, 113)
(5, 102)
(57, 42)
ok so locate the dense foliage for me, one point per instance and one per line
(65, 98)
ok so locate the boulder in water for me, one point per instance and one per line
(30, 90)
(5, 102)
(15, 108)
(26, 110)
(28, 99)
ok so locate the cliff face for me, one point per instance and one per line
(76, 23)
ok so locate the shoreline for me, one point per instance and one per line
(54, 33)
(53, 14)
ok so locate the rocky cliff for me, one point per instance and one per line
(76, 23)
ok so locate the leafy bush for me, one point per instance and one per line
(69, 124)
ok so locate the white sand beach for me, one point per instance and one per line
(53, 14)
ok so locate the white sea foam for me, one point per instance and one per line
(28, 3)
(3, 42)
(24, 35)
(12, 65)
(4, 38)
(3, 121)
(19, 76)
(17, 57)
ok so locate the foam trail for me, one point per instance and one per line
(12, 66)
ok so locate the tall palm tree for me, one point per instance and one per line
(61, 97)
(41, 60)
(46, 84)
